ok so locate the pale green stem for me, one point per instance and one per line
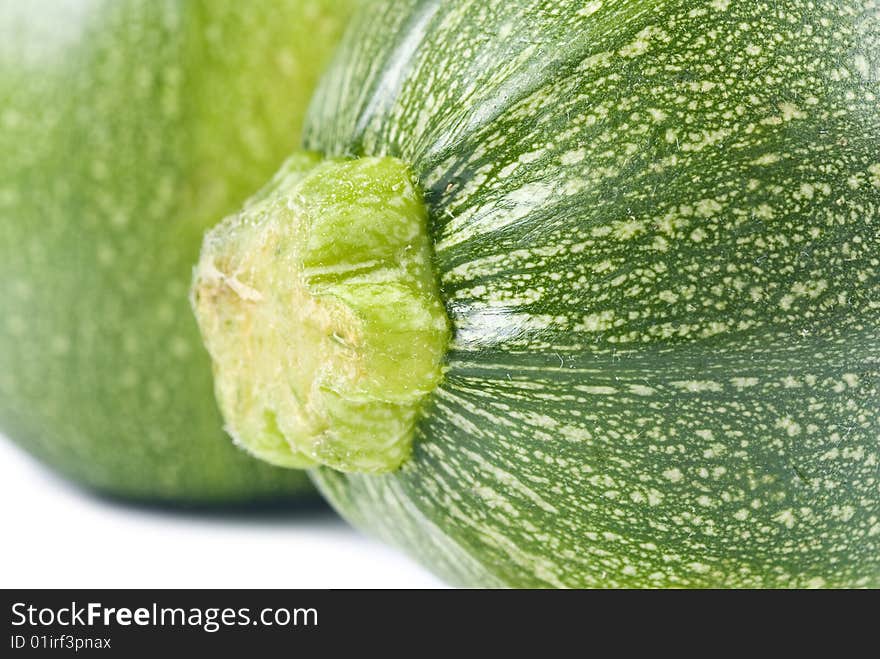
(320, 309)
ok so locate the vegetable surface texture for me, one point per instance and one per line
(126, 128)
(655, 232)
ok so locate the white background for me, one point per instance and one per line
(54, 535)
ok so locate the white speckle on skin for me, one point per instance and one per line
(590, 8)
(790, 426)
(791, 111)
(572, 157)
(597, 390)
(696, 386)
(642, 42)
(786, 518)
(767, 159)
(742, 383)
(874, 171)
(698, 235)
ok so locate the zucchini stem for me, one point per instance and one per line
(319, 306)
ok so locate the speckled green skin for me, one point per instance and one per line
(126, 129)
(657, 232)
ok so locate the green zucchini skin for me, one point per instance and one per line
(657, 234)
(127, 129)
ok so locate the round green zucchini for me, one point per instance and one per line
(655, 229)
(126, 128)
